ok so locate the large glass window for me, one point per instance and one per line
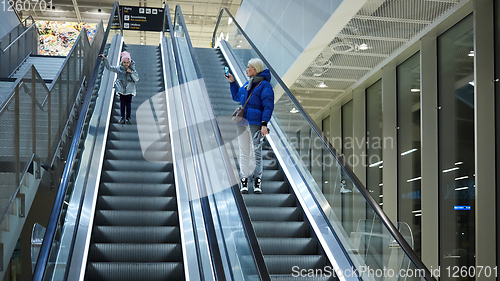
(497, 114)
(409, 180)
(374, 141)
(456, 146)
(346, 186)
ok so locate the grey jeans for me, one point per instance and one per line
(250, 143)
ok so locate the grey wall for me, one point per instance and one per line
(282, 29)
(8, 20)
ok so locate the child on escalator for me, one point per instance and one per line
(125, 86)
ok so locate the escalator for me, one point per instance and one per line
(284, 235)
(136, 233)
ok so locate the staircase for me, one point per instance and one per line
(136, 233)
(284, 236)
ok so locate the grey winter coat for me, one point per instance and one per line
(125, 82)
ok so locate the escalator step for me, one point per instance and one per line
(136, 203)
(136, 218)
(269, 200)
(283, 264)
(137, 155)
(279, 213)
(112, 252)
(136, 165)
(136, 234)
(280, 229)
(288, 246)
(107, 271)
(144, 128)
(136, 189)
(137, 177)
(135, 145)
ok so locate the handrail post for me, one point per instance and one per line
(33, 110)
(49, 127)
(17, 150)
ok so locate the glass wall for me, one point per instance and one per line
(497, 113)
(409, 147)
(456, 146)
(374, 141)
(348, 152)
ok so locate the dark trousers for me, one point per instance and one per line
(125, 105)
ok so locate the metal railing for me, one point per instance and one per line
(362, 227)
(34, 116)
(49, 251)
(15, 46)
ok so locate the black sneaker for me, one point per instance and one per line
(128, 121)
(122, 121)
(244, 185)
(257, 186)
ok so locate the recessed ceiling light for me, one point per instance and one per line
(294, 110)
(471, 54)
(322, 85)
(363, 47)
(415, 90)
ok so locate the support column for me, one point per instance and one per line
(389, 143)
(484, 101)
(429, 156)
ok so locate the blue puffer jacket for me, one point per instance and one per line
(125, 82)
(261, 104)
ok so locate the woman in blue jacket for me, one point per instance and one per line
(126, 79)
(253, 128)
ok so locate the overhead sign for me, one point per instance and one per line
(141, 18)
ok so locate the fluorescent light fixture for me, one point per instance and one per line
(471, 54)
(471, 83)
(229, 21)
(294, 110)
(376, 164)
(326, 181)
(380, 167)
(459, 163)
(418, 215)
(461, 188)
(381, 184)
(408, 152)
(381, 195)
(415, 90)
(381, 204)
(322, 85)
(363, 47)
(414, 179)
(462, 178)
(449, 170)
(416, 211)
(238, 46)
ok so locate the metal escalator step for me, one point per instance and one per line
(119, 252)
(136, 203)
(144, 128)
(137, 177)
(135, 145)
(136, 234)
(283, 264)
(137, 165)
(272, 175)
(288, 246)
(135, 114)
(136, 189)
(134, 136)
(106, 271)
(269, 200)
(279, 213)
(280, 229)
(158, 156)
(136, 218)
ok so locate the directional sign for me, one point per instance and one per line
(141, 18)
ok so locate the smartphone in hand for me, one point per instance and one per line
(226, 71)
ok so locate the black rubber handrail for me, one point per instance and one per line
(340, 159)
(243, 212)
(205, 204)
(43, 255)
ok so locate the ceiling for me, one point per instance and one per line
(200, 16)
